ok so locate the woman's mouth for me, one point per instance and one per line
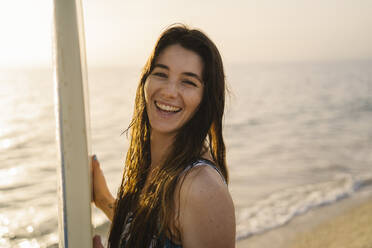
(167, 108)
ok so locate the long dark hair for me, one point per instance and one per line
(152, 208)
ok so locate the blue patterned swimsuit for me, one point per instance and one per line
(168, 243)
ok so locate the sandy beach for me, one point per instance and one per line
(344, 224)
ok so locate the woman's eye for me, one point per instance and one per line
(189, 83)
(160, 74)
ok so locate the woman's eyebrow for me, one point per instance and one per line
(161, 66)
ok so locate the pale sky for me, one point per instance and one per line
(122, 32)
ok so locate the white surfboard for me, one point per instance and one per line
(73, 127)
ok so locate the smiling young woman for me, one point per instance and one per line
(174, 189)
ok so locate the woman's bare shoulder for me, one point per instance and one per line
(207, 217)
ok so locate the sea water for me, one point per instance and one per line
(298, 136)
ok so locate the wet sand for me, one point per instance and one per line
(347, 224)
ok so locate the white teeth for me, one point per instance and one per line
(167, 107)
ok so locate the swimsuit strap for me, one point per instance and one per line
(203, 161)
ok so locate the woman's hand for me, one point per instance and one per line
(101, 195)
(97, 243)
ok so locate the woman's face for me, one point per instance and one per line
(174, 89)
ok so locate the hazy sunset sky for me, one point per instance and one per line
(122, 32)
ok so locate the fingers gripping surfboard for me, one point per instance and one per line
(73, 127)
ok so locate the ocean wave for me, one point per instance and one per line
(280, 207)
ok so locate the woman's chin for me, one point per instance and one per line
(165, 130)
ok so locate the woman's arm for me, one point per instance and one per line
(101, 194)
(207, 216)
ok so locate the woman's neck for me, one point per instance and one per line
(160, 146)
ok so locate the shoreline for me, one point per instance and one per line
(298, 232)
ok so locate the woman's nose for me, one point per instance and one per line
(170, 89)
